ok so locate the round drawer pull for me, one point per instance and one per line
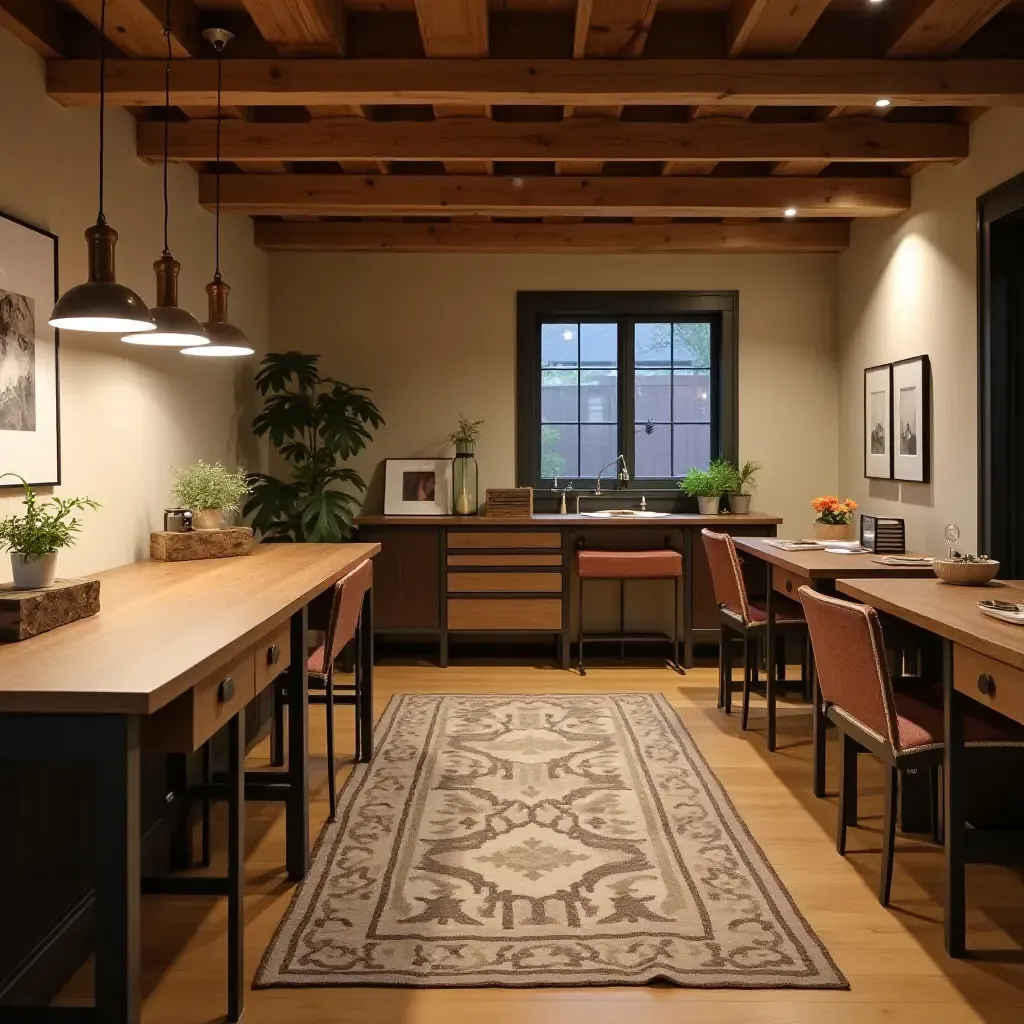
(273, 654)
(225, 689)
(789, 586)
(987, 684)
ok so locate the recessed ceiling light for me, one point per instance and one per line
(790, 212)
(883, 103)
(876, 1)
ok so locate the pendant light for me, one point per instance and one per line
(175, 327)
(226, 338)
(101, 305)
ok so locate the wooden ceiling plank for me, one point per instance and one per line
(800, 168)
(771, 28)
(37, 23)
(445, 195)
(579, 139)
(136, 27)
(938, 27)
(306, 27)
(735, 83)
(700, 113)
(552, 236)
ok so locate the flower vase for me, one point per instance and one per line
(465, 481)
(208, 519)
(833, 531)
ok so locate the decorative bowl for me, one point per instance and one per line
(965, 574)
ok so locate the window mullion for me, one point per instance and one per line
(627, 392)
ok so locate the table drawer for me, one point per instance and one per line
(273, 656)
(788, 583)
(990, 682)
(498, 613)
(504, 583)
(485, 540)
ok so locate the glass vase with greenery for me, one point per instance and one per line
(315, 423)
(466, 435)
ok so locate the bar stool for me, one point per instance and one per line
(663, 564)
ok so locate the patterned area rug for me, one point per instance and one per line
(540, 840)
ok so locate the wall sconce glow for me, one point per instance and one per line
(790, 212)
(876, 1)
(883, 103)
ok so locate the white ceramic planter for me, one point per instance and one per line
(34, 572)
(709, 506)
(208, 519)
(739, 504)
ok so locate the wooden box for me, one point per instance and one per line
(510, 502)
(27, 613)
(181, 547)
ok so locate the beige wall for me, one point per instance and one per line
(127, 414)
(908, 287)
(434, 336)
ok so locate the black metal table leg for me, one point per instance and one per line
(688, 597)
(953, 809)
(236, 866)
(819, 724)
(769, 656)
(297, 801)
(364, 726)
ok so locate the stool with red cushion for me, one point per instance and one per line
(657, 564)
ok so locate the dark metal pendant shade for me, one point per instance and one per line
(101, 305)
(175, 327)
(225, 338)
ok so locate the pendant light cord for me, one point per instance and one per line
(167, 119)
(216, 244)
(103, 95)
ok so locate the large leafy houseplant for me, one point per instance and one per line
(315, 423)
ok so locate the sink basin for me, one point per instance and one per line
(624, 513)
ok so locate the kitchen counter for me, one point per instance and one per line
(553, 519)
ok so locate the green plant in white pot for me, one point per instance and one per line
(708, 485)
(34, 538)
(210, 491)
(742, 484)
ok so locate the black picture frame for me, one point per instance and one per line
(912, 467)
(878, 466)
(46, 479)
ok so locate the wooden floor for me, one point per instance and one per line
(893, 958)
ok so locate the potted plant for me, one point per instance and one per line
(742, 484)
(708, 485)
(210, 491)
(34, 538)
(466, 435)
(315, 423)
(835, 517)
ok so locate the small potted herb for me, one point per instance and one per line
(466, 435)
(707, 485)
(835, 517)
(210, 491)
(741, 486)
(34, 538)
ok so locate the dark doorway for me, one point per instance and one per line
(1001, 376)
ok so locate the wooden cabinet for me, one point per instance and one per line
(406, 578)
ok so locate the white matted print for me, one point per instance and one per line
(878, 435)
(29, 386)
(417, 487)
(911, 407)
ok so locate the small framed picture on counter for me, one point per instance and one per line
(417, 487)
(878, 422)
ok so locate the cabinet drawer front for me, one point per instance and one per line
(989, 682)
(785, 582)
(502, 561)
(504, 583)
(273, 656)
(485, 540)
(217, 699)
(502, 613)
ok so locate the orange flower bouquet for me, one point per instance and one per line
(833, 512)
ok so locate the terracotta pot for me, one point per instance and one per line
(208, 519)
(709, 506)
(739, 504)
(34, 572)
(833, 531)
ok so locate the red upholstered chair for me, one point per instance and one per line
(743, 619)
(658, 564)
(904, 729)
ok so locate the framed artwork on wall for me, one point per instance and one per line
(911, 413)
(417, 487)
(878, 439)
(29, 365)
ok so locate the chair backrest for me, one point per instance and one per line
(726, 573)
(849, 654)
(345, 609)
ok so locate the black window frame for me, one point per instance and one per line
(628, 308)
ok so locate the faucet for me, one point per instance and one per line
(623, 477)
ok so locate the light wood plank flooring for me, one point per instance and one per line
(893, 958)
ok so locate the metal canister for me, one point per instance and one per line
(177, 520)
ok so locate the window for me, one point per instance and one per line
(647, 375)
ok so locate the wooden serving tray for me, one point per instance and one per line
(27, 613)
(182, 547)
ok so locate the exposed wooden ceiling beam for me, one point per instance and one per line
(37, 23)
(795, 82)
(771, 28)
(708, 236)
(136, 27)
(491, 195)
(598, 139)
(938, 27)
(300, 26)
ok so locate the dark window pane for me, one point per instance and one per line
(692, 396)
(692, 344)
(559, 451)
(653, 395)
(559, 396)
(599, 396)
(652, 345)
(691, 446)
(597, 449)
(559, 345)
(599, 344)
(653, 452)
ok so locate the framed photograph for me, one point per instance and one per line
(911, 413)
(29, 377)
(878, 444)
(417, 487)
